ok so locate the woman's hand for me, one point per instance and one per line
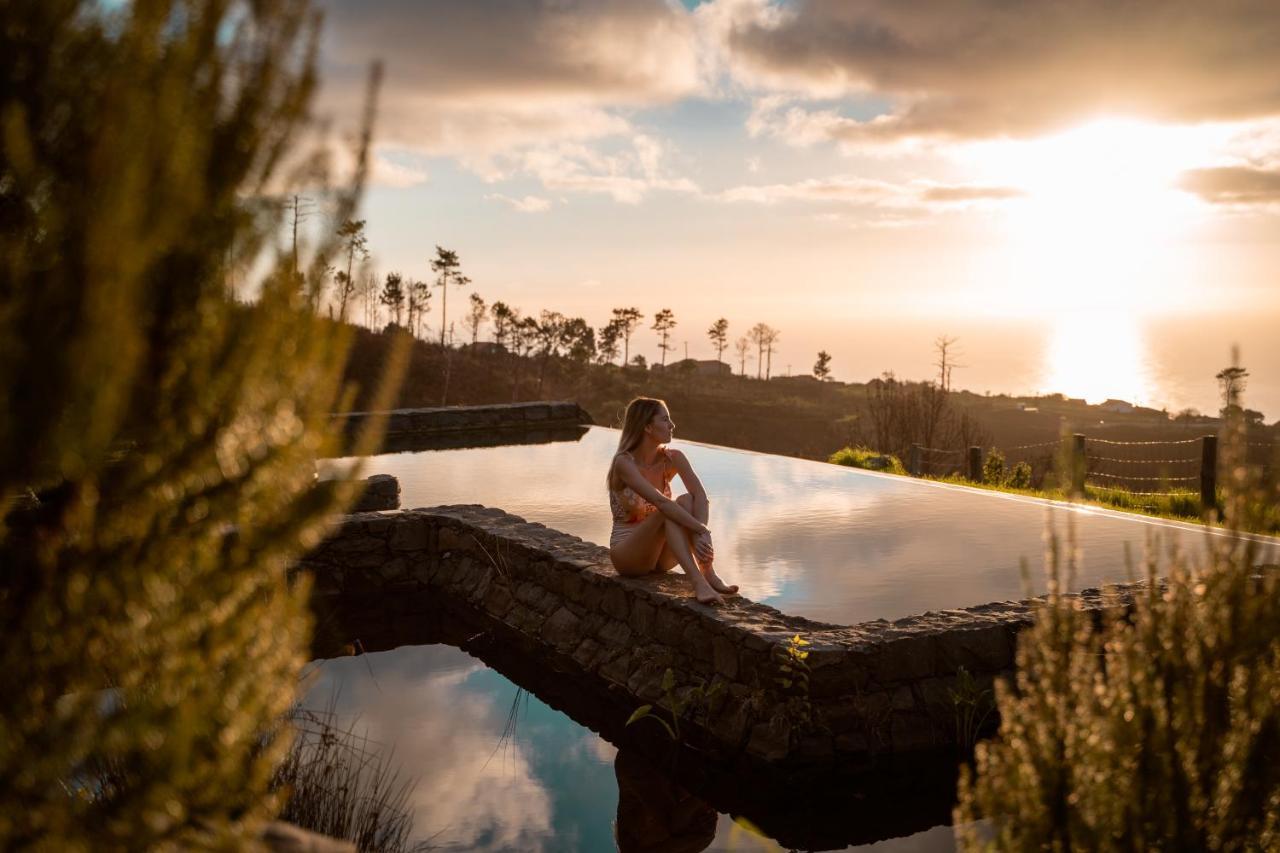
(702, 547)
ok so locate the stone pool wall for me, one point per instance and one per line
(874, 688)
(446, 420)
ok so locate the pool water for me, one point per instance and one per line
(493, 768)
(834, 544)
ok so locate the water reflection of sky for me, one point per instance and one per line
(548, 785)
(830, 543)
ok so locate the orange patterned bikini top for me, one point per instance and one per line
(627, 506)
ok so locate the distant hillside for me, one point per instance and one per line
(792, 416)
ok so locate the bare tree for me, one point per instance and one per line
(663, 322)
(476, 316)
(757, 334)
(764, 337)
(719, 335)
(771, 336)
(627, 320)
(369, 295)
(742, 346)
(946, 349)
(300, 208)
(903, 413)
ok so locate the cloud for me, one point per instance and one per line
(475, 79)
(776, 115)
(388, 172)
(528, 204)
(1234, 185)
(844, 189)
(869, 192)
(946, 193)
(985, 68)
(627, 174)
(470, 789)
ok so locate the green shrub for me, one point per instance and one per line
(993, 468)
(158, 438)
(1160, 730)
(862, 457)
(1019, 477)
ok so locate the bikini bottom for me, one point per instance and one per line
(621, 530)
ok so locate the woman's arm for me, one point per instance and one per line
(702, 541)
(687, 476)
(631, 475)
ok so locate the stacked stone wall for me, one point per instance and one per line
(872, 688)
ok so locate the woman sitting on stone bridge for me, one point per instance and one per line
(652, 532)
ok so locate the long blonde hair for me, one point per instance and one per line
(640, 413)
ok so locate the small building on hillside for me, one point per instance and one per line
(699, 367)
(1120, 407)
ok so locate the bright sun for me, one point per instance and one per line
(1099, 214)
(1097, 242)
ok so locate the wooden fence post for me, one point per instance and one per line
(1208, 473)
(1078, 466)
(975, 464)
(913, 461)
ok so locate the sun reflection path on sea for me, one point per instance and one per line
(1097, 356)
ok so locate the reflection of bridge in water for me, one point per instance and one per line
(455, 427)
(408, 443)
(817, 809)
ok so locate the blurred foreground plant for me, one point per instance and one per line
(157, 439)
(1159, 730)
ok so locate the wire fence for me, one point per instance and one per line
(1162, 468)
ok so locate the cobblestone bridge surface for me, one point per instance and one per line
(874, 688)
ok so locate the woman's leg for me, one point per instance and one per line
(638, 553)
(679, 551)
(701, 510)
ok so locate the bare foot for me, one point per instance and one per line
(719, 585)
(706, 595)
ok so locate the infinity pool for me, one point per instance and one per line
(833, 544)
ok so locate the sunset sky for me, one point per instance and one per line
(834, 168)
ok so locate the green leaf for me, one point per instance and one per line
(640, 713)
(668, 680)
